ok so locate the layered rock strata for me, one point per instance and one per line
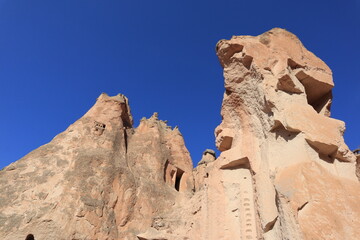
(284, 171)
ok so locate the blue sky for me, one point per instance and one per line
(56, 57)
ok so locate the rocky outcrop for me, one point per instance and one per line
(99, 179)
(208, 156)
(357, 154)
(284, 171)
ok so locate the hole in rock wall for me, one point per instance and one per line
(99, 125)
(318, 92)
(179, 175)
(173, 175)
(99, 128)
(30, 237)
(319, 95)
(270, 225)
(247, 60)
(293, 65)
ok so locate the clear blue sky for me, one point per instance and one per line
(56, 57)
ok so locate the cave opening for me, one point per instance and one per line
(30, 237)
(179, 174)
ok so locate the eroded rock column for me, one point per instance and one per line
(276, 115)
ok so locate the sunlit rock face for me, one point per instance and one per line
(276, 111)
(99, 179)
(284, 171)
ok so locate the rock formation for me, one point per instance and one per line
(357, 154)
(297, 172)
(208, 156)
(100, 179)
(284, 171)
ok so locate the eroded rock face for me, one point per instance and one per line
(208, 156)
(287, 173)
(100, 179)
(284, 171)
(357, 154)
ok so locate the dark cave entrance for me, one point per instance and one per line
(179, 174)
(30, 237)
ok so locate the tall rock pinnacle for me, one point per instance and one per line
(284, 171)
(298, 174)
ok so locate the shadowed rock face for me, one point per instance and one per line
(284, 171)
(357, 154)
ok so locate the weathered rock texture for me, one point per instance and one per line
(296, 176)
(357, 154)
(100, 179)
(284, 171)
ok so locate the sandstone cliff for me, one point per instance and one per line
(284, 171)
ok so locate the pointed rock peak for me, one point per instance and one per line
(111, 109)
(176, 130)
(209, 151)
(121, 98)
(208, 156)
(155, 116)
(155, 121)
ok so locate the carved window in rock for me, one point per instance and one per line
(178, 176)
(173, 175)
(30, 237)
(98, 128)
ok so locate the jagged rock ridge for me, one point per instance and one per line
(284, 171)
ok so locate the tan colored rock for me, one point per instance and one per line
(324, 206)
(284, 171)
(357, 154)
(277, 107)
(99, 179)
(224, 139)
(208, 156)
